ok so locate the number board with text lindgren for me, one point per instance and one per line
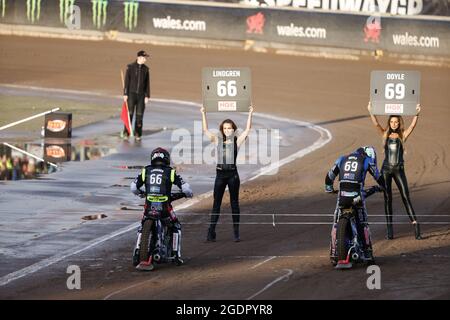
(394, 92)
(226, 89)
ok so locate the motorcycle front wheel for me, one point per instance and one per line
(144, 253)
(342, 238)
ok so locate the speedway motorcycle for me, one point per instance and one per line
(346, 247)
(157, 244)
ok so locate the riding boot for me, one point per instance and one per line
(236, 232)
(417, 231)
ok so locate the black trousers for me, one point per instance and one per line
(136, 103)
(223, 179)
(398, 174)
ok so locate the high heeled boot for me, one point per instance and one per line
(417, 231)
(236, 233)
(389, 227)
(211, 236)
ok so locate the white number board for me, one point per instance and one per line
(394, 92)
(226, 89)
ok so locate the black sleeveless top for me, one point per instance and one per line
(226, 155)
(393, 151)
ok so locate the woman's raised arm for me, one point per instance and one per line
(210, 135)
(413, 124)
(375, 120)
(244, 134)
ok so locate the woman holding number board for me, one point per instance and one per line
(227, 144)
(394, 137)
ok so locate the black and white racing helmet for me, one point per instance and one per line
(160, 156)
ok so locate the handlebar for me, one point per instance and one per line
(370, 191)
(177, 195)
(366, 192)
(173, 196)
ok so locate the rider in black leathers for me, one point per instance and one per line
(158, 179)
(352, 170)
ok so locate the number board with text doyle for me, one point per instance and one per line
(226, 89)
(394, 92)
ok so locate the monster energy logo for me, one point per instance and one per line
(65, 7)
(131, 14)
(99, 12)
(33, 10)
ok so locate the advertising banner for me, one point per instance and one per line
(399, 34)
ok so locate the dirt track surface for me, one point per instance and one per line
(331, 93)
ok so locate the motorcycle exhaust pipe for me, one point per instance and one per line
(355, 256)
(156, 257)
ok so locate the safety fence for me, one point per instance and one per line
(423, 35)
(393, 7)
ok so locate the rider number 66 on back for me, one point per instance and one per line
(226, 89)
(394, 92)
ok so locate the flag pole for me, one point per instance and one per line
(126, 104)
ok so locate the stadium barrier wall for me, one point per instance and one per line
(419, 35)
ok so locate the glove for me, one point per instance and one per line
(329, 188)
(186, 189)
(357, 200)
